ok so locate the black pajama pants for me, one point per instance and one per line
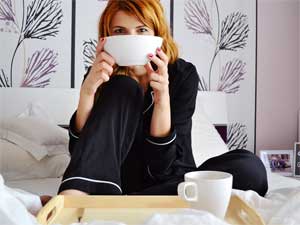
(108, 135)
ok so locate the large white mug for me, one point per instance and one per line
(207, 190)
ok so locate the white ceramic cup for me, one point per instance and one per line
(207, 190)
(132, 50)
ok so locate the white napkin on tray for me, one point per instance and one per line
(98, 223)
(15, 204)
(185, 217)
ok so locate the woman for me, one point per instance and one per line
(131, 133)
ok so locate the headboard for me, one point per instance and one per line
(59, 103)
(214, 105)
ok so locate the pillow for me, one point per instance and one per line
(36, 110)
(36, 136)
(206, 141)
(18, 164)
(37, 130)
(36, 150)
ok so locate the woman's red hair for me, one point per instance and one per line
(149, 12)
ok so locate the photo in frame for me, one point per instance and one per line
(278, 161)
(297, 159)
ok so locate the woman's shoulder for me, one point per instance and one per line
(182, 70)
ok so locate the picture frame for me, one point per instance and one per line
(297, 159)
(278, 161)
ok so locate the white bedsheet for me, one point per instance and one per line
(276, 181)
(49, 186)
(281, 205)
(15, 206)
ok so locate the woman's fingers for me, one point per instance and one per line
(100, 46)
(162, 56)
(158, 82)
(149, 68)
(159, 79)
(104, 71)
(156, 77)
(161, 61)
(160, 64)
(100, 75)
(104, 66)
(104, 76)
(103, 56)
(157, 86)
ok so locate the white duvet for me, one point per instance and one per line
(281, 206)
(17, 207)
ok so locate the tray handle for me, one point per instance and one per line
(239, 212)
(49, 212)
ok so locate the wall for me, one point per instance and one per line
(278, 73)
(278, 98)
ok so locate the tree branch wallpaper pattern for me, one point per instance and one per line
(237, 136)
(42, 50)
(233, 36)
(39, 68)
(222, 44)
(89, 51)
(39, 21)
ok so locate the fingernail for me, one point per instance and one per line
(150, 55)
(159, 49)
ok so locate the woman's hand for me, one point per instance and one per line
(100, 72)
(45, 199)
(159, 79)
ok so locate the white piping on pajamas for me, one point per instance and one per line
(92, 180)
(73, 135)
(152, 96)
(154, 143)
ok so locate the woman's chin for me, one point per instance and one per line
(138, 70)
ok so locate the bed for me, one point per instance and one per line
(42, 110)
(33, 138)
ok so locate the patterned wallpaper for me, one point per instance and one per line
(50, 43)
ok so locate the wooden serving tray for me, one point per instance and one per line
(131, 210)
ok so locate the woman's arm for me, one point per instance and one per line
(99, 73)
(84, 109)
(161, 153)
(159, 81)
(161, 118)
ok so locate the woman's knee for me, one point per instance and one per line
(124, 86)
(72, 192)
(249, 173)
(120, 91)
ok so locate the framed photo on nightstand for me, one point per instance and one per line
(279, 161)
(297, 160)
